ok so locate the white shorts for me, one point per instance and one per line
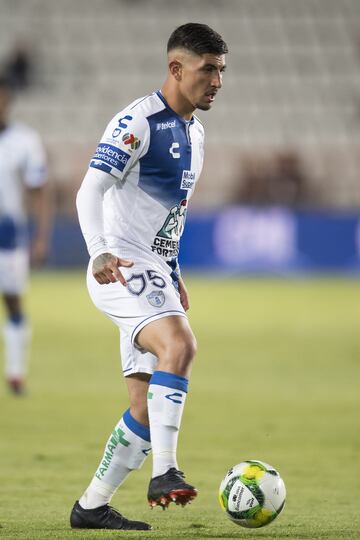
(149, 295)
(14, 270)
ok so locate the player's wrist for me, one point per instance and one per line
(97, 247)
(95, 254)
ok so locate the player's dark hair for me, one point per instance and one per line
(197, 38)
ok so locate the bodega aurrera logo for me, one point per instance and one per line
(187, 180)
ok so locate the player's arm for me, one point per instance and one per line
(40, 210)
(183, 292)
(110, 164)
(89, 202)
(35, 179)
(184, 295)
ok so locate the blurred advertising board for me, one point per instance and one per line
(243, 239)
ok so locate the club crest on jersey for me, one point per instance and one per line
(187, 180)
(156, 298)
(131, 140)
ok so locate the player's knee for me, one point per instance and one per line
(180, 353)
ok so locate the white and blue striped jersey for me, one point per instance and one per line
(22, 165)
(155, 157)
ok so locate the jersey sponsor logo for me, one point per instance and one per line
(165, 125)
(175, 146)
(121, 125)
(187, 180)
(166, 241)
(116, 438)
(131, 140)
(111, 156)
(156, 298)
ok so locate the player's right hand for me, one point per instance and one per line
(105, 269)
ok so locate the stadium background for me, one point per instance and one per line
(279, 195)
(284, 132)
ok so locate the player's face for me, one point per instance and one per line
(202, 78)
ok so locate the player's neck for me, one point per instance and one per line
(177, 102)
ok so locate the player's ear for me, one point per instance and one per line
(175, 68)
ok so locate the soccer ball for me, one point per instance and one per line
(252, 494)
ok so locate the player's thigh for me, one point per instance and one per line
(169, 338)
(149, 296)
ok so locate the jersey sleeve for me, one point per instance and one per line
(125, 141)
(35, 166)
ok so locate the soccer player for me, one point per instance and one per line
(22, 169)
(132, 207)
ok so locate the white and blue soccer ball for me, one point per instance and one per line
(252, 494)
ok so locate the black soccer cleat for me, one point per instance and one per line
(170, 487)
(103, 517)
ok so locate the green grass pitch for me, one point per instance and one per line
(276, 379)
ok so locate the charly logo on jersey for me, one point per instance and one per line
(165, 125)
(166, 241)
(131, 140)
(122, 124)
(187, 180)
(156, 298)
(173, 150)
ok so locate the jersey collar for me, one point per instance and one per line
(161, 97)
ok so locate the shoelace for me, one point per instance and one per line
(114, 511)
(174, 473)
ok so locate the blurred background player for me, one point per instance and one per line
(149, 160)
(22, 170)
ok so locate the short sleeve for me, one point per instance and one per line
(125, 140)
(35, 166)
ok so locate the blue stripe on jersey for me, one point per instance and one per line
(173, 263)
(168, 156)
(101, 166)
(8, 233)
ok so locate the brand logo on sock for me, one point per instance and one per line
(117, 437)
(146, 451)
(172, 397)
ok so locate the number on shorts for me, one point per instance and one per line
(137, 283)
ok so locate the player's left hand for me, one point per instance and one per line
(184, 295)
(38, 252)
